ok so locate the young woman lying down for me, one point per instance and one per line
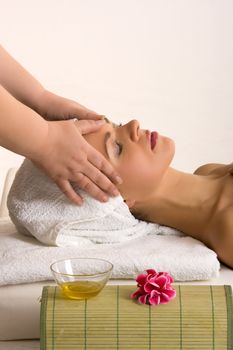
(199, 204)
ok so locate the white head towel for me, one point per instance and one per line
(37, 207)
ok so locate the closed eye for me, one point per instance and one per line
(119, 148)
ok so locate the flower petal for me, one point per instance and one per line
(151, 272)
(169, 277)
(153, 280)
(154, 293)
(143, 299)
(154, 300)
(135, 294)
(148, 287)
(141, 279)
(164, 298)
(171, 293)
(161, 281)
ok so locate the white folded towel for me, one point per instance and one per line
(38, 207)
(25, 260)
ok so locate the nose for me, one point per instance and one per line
(134, 128)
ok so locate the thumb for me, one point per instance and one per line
(87, 126)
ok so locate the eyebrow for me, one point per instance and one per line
(107, 120)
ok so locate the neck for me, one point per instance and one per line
(183, 201)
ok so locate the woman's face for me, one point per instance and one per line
(140, 157)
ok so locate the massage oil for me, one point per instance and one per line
(81, 289)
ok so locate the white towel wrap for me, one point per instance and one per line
(38, 207)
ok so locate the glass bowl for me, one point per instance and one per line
(81, 278)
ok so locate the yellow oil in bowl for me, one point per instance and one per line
(81, 289)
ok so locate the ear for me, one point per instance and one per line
(129, 202)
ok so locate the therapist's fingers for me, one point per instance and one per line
(105, 168)
(88, 126)
(103, 173)
(68, 190)
(102, 184)
(90, 187)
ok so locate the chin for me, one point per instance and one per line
(170, 146)
(170, 151)
(173, 147)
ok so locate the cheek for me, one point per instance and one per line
(143, 173)
(138, 177)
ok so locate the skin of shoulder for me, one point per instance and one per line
(220, 228)
(214, 168)
(222, 239)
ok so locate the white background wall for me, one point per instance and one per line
(167, 63)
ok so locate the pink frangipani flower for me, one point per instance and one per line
(154, 288)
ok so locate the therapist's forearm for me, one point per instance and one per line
(18, 82)
(22, 130)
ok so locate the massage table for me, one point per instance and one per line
(20, 304)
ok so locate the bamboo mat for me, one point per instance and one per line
(200, 317)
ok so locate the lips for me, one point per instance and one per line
(153, 139)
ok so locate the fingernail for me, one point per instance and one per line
(115, 192)
(104, 199)
(119, 180)
(100, 122)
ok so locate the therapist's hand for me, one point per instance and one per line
(66, 156)
(53, 107)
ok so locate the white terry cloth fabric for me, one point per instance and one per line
(38, 207)
(23, 259)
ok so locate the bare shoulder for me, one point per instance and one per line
(214, 168)
(221, 237)
(223, 227)
(226, 220)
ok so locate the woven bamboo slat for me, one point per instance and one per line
(200, 317)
